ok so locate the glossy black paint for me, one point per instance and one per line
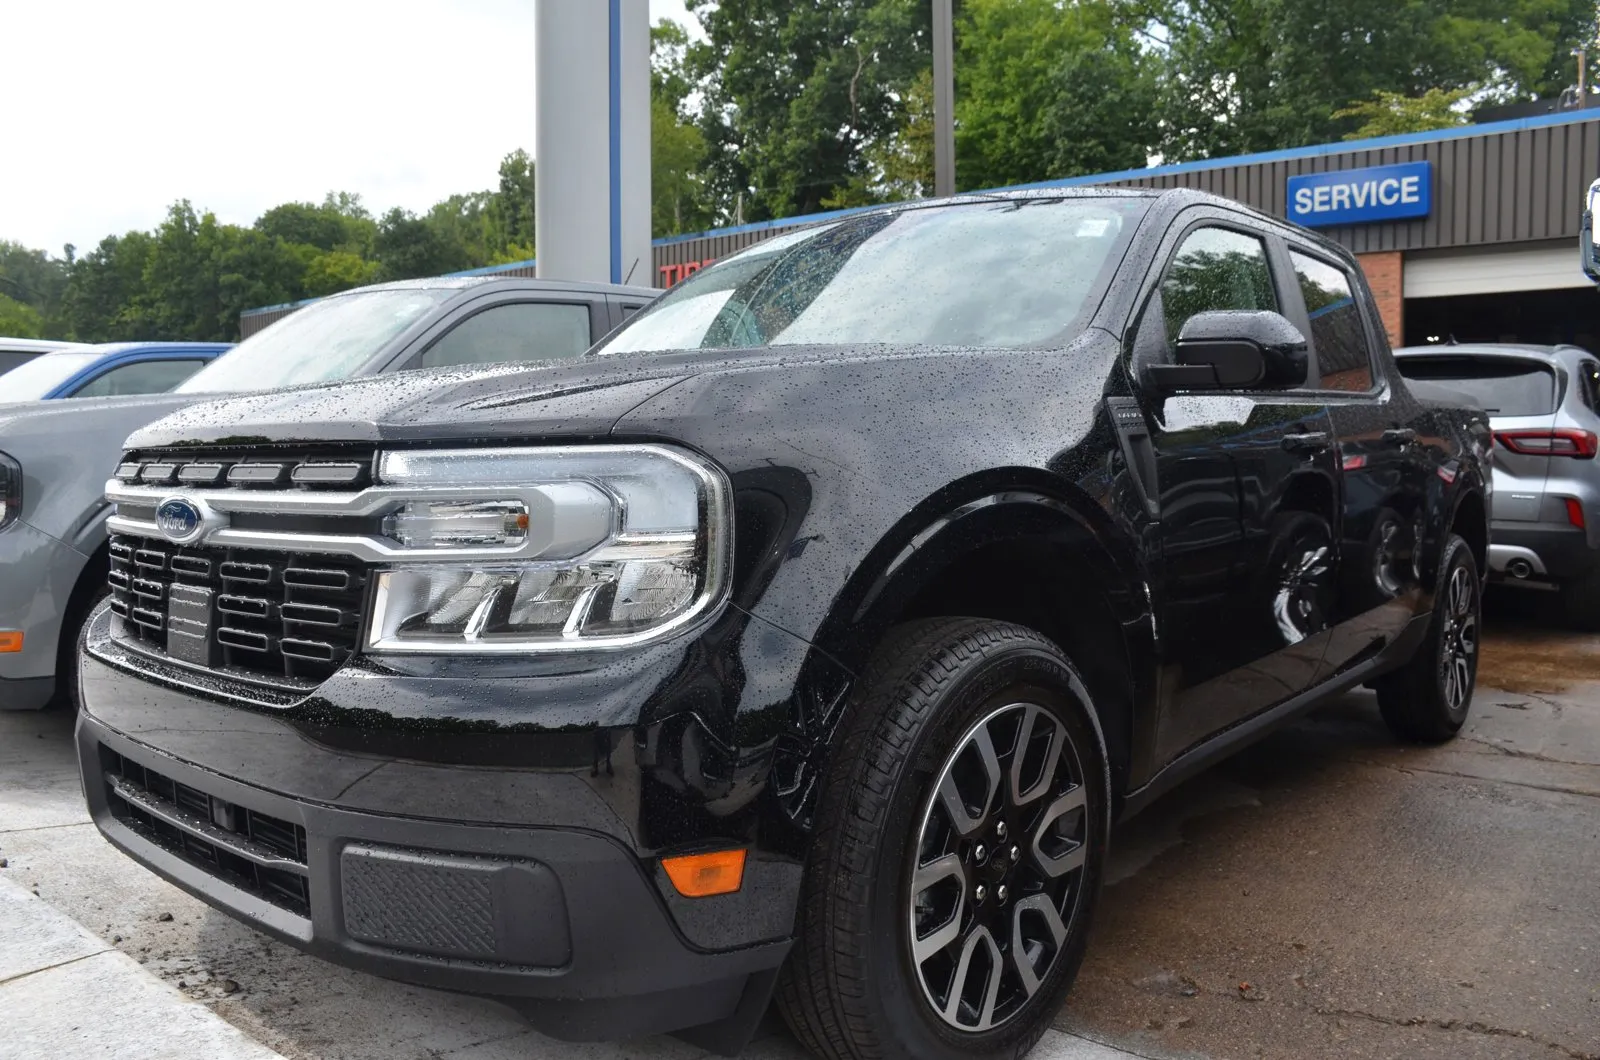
(871, 485)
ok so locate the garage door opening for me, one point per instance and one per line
(1546, 317)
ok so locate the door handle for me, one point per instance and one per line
(1399, 436)
(1309, 442)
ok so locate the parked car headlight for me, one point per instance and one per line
(615, 546)
(10, 491)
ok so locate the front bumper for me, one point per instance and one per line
(37, 576)
(520, 882)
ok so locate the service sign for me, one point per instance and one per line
(1361, 196)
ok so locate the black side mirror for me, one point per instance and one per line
(1234, 350)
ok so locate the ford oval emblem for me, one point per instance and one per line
(179, 520)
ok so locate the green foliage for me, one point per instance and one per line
(1390, 113)
(19, 320)
(1255, 75)
(793, 95)
(1048, 88)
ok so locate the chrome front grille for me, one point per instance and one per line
(288, 618)
(329, 468)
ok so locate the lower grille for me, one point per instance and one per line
(272, 614)
(263, 855)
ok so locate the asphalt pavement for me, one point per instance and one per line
(1324, 894)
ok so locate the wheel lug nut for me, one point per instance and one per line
(1015, 853)
(979, 892)
(1000, 893)
(979, 852)
(1000, 830)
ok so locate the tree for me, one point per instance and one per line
(510, 234)
(1048, 88)
(103, 289)
(19, 320)
(36, 280)
(794, 94)
(1255, 75)
(408, 246)
(1390, 113)
(679, 198)
(339, 223)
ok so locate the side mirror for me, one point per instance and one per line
(1234, 350)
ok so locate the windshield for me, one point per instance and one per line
(36, 378)
(326, 341)
(1009, 272)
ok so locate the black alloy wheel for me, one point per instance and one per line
(1427, 700)
(999, 860)
(957, 850)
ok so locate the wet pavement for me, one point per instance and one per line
(1326, 893)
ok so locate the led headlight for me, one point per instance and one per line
(535, 549)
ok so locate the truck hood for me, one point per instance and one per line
(579, 398)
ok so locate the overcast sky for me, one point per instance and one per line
(118, 108)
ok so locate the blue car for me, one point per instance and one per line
(109, 370)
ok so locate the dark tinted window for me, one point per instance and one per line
(9, 360)
(141, 377)
(519, 331)
(1337, 332)
(1502, 385)
(1216, 268)
(1589, 384)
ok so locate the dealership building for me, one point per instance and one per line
(1468, 233)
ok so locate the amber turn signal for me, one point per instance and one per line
(703, 875)
(10, 640)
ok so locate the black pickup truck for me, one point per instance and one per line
(802, 641)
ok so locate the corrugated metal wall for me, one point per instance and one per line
(1503, 187)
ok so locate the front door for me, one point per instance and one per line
(1248, 487)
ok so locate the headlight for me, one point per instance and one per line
(10, 491)
(606, 547)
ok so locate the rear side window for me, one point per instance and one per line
(1504, 386)
(518, 331)
(141, 377)
(1589, 384)
(1337, 331)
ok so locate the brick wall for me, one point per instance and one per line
(1385, 270)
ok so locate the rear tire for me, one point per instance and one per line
(957, 851)
(1427, 700)
(1580, 599)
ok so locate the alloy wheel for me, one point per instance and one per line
(997, 870)
(1460, 639)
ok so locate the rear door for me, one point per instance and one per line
(1520, 395)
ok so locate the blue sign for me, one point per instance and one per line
(1360, 196)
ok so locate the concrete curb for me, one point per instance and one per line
(67, 994)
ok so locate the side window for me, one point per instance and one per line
(1337, 332)
(1216, 268)
(516, 331)
(1589, 384)
(629, 310)
(141, 377)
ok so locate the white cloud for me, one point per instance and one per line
(120, 109)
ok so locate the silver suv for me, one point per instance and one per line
(1544, 407)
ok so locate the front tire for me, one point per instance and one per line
(957, 851)
(1427, 700)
